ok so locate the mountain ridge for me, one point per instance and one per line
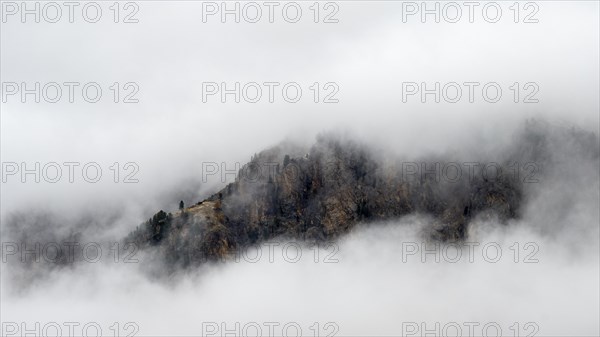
(339, 184)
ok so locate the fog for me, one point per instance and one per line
(368, 54)
(371, 286)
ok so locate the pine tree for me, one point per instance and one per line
(286, 160)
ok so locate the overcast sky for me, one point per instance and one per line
(368, 54)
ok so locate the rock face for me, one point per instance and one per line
(338, 184)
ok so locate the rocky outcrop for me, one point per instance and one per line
(338, 184)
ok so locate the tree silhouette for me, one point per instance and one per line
(286, 160)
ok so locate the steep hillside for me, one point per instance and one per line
(339, 183)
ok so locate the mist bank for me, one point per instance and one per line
(374, 283)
